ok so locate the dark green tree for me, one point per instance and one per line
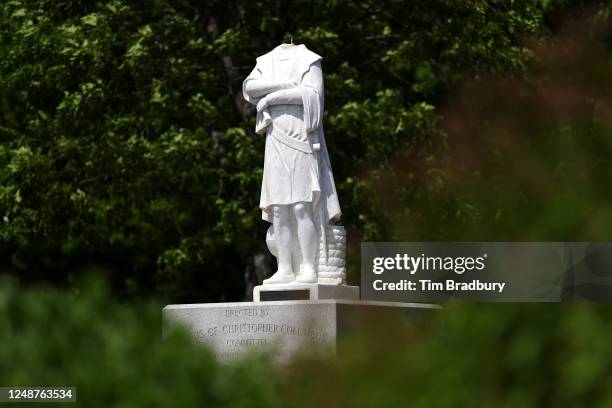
(125, 143)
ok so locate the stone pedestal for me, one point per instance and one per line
(304, 291)
(283, 327)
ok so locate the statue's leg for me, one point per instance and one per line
(282, 236)
(307, 237)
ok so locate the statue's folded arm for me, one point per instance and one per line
(256, 88)
(285, 97)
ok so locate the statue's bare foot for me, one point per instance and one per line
(280, 277)
(307, 274)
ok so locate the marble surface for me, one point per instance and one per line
(298, 191)
(313, 291)
(280, 327)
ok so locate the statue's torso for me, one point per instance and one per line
(288, 119)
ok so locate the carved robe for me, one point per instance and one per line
(294, 169)
(296, 165)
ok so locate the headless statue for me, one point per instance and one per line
(298, 193)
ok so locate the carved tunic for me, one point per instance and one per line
(294, 171)
(290, 174)
(287, 87)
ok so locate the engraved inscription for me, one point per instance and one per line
(246, 342)
(268, 328)
(235, 330)
(250, 328)
(309, 332)
(247, 312)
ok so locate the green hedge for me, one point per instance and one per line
(114, 354)
(484, 355)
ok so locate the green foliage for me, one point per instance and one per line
(473, 355)
(528, 159)
(122, 148)
(124, 141)
(466, 355)
(125, 148)
(114, 354)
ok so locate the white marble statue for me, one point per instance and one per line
(298, 194)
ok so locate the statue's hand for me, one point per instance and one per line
(262, 104)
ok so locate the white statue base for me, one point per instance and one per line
(283, 328)
(304, 291)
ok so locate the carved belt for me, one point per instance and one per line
(291, 142)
